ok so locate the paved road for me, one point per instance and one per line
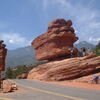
(35, 90)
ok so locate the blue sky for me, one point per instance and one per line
(23, 20)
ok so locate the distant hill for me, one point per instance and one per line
(20, 56)
(85, 44)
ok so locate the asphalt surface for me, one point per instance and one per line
(35, 90)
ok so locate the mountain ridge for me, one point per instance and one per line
(20, 56)
(85, 44)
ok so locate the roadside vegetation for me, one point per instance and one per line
(97, 49)
(12, 73)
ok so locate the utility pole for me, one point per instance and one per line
(3, 53)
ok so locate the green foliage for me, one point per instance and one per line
(9, 73)
(12, 73)
(97, 49)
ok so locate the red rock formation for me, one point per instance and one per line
(3, 52)
(23, 76)
(56, 42)
(8, 86)
(66, 69)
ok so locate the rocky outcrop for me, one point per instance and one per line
(23, 76)
(66, 69)
(3, 52)
(57, 42)
(8, 86)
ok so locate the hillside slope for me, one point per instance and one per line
(20, 56)
(85, 44)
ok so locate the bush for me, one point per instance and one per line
(97, 49)
(9, 73)
(12, 73)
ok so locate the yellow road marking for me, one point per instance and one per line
(5, 98)
(52, 93)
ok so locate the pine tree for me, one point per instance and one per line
(97, 49)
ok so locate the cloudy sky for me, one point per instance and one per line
(23, 20)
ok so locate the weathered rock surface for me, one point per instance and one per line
(8, 86)
(66, 69)
(57, 42)
(3, 52)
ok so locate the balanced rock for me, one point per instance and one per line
(3, 52)
(56, 42)
(66, 69)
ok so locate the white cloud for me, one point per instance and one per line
(14, 40)
(92, 39)
(84, 17)
(11, 41)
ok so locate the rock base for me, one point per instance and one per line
(66, 69)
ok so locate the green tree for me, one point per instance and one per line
(97, 49)
(12, 73)
(9, 73)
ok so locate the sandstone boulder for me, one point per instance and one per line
(66, 69)
(7, 86)
(23, 76)
(56, 42)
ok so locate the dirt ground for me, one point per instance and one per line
(83, 82)
(78, 84)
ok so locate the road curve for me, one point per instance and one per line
(36, 90)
